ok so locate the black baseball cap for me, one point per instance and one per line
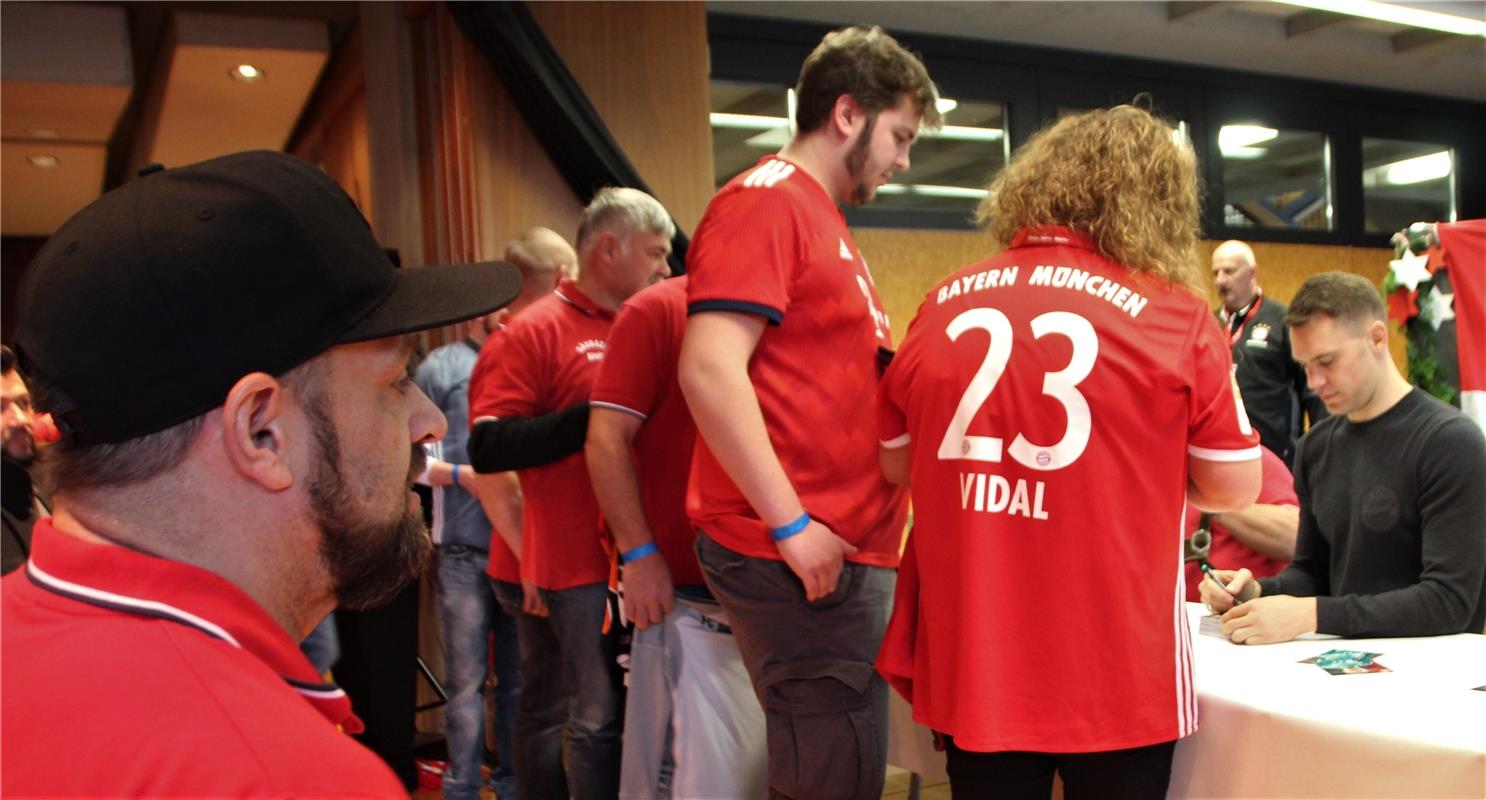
(146, 306)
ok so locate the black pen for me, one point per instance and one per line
(1209, 570)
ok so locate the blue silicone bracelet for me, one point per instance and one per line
(783, 532)
(456, 474)
(646, 549)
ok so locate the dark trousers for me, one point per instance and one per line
(542, 709)
(1140, 773)
(378, 668)
(825, 707)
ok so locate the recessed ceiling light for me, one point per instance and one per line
(247, 73)
(42, 161)
(42, 133)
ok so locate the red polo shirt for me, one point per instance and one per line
(545, 361)
(1050, 399)
(773, 243)
(502, 564)
(639, 377)
(1227, 552)
(129, 675)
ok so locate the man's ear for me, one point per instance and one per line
(1377, 335)
(847, 116)
(255, 432)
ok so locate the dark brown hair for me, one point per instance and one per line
(871, 67)
(1344, 297)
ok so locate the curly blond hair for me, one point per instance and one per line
(1120, 175)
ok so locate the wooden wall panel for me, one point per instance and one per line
(333, 132)
(907, 263)
(644, 68)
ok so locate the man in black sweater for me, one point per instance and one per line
(1392, 493)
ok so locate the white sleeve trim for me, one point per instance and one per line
(1209, 454)
(896, 442)
(617, 407)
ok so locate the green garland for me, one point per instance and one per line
(1424, 370)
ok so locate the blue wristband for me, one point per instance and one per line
(456, 474)
(783, 532)
(631, 556)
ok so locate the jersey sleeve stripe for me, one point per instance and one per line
(897, 441)
(773, 315)
(617, 407)
(1209, 454)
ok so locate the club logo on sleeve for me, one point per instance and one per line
(592, 349)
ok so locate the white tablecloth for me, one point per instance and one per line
(1274, 728)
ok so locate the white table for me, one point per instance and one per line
(1274, 728)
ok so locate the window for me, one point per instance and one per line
(949, 170)
(1275, 178)
(1406, 182)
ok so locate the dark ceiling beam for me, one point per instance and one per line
(1186, 8)
(1309, 22)
(1416, 39)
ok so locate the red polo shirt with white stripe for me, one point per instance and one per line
(1050, 399)
(639, 378)
(773, 243)
(129, 675)
(544, 361)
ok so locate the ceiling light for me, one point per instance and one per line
(964, 133)
(933, 190)
(759, 122)
(1398, 14)
(1239, 137)
(247, 73)
(746, 121)
(42, 161)
(1244, 153)
(1418, 169)
(945, 105)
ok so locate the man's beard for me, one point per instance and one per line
(29, 454)
(370, 560)
(862, 188)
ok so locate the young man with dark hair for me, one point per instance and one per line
(799, 533)
(203, 526)
(1392, 493)
(19, 444)
(1059, 405)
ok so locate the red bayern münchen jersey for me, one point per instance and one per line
(1227, 552)
(544, 361)
(127, 675)
(773, 243)
(1051, 399)
(502, 564)
(639, 377)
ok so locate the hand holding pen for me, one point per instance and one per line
(1225, 589)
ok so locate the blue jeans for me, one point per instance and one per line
(595, 722)
(470, 615)
(542, 709)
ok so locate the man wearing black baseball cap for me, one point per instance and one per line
(222, 348)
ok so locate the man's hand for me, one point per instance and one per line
(1240, 584)
(815, 555)
(648, 593)
(1267, 620)
(531, 599)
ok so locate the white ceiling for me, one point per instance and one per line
(1249, 36)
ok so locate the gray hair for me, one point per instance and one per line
(621, 210)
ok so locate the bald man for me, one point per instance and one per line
(542, 251)
(1273, 385)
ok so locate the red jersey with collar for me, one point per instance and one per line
(126, 675)
(1227, 552)
(502, 564)
(1050, 399)
(544, 361)
(639, 377)
(773, 243)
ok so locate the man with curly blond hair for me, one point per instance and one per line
(1057, 405)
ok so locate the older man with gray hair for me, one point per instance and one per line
(1272, 384)
(540, 371)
